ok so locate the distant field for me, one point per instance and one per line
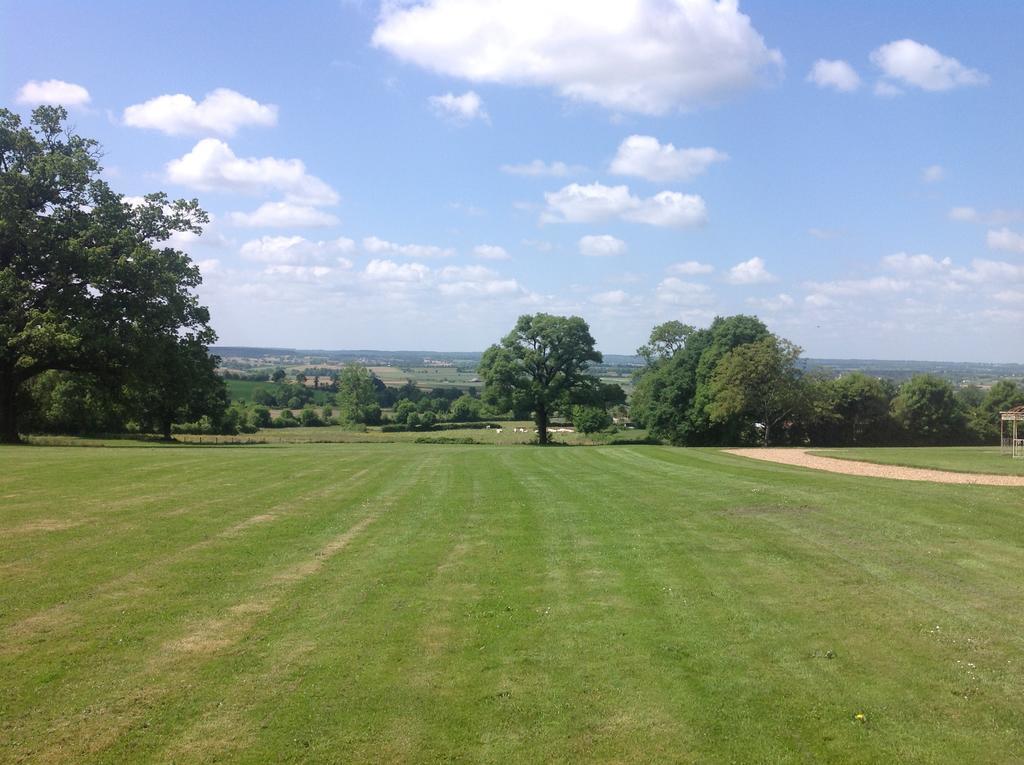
(427, 377)
(242, 390)
(963, 459)
(419, 603)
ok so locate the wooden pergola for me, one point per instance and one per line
(1011, 437)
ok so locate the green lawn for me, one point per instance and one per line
(423, 603)
(961, 459)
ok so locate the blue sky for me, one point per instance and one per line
(416, 175)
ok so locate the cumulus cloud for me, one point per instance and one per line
(914, 64)
(491, 252)
(835, 74)
(780, 302)
(299, 273)
(690, 268)
(644, 156)
(612, 297)
(992, 218)
(646, 56)
(539, 167)
(473, 281)
(1005, 239)
(678, 292)
(577, 203)
(751, 271)
(212, 166)
(917, 265)
(296, 250)
(283, 215)
(390, 271)
(377, 246)
(53, 93)
(459, 109)
(933, 174)
(222, 111)
(601, 245)
(855, 287)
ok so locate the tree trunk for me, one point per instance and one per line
(8, 409)
(166, 429)
(542, 425)
(767, 432)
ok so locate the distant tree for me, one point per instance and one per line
(673, 393)
(541, 364)
(85, 285)
(860, 405)
(983, 419)
(665, 340)
(465, 409)
(927, 410)
(260, 416)
(357, 397)
(309, 418)
(587, 418)
(278, 375)
(759, 381)
(300, 378)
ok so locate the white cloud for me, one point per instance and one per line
(389, 271)
(376, 246)
(887, 89)
(912, 63)
(299, 273)
(751, 271)
(679, 292)
(223, 111)
(491, 252)
(647, 56)
(601, 245)
(52, 92)
(283, 214)
(836, 74)
(933, 174)
(612, 297)
(993, 218)
(1005, 239)
(916, 265)
(644, 156)
(459, 109)
(690, 268)
(539, 167)
(296, 250)
(855, 287)
(474, 281)
(212, 166)
(780, 302)
(596, 202)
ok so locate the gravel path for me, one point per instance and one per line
(801, 458)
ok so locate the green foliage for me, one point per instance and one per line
(309, 417)
(927, 410)
(587, 418)
(86, 286)
(540, 366)
(758, 382)
(357, 396)
(673, 393)
(465, 409)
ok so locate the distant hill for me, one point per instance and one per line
(961, 373)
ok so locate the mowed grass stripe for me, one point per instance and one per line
(133, 633)
(601, 604)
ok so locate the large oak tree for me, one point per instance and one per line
(541, 367)
(86, 284)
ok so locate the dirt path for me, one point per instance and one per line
(800, 458)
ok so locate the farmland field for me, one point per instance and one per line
(962, 459)
(418, 603)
